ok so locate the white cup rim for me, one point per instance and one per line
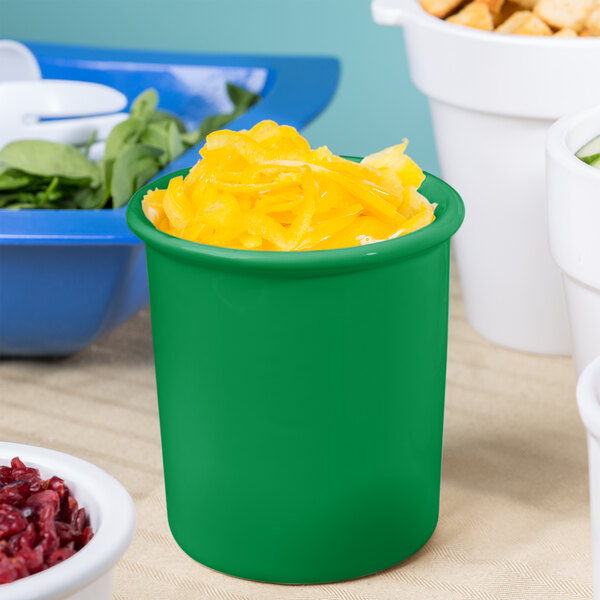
(588, 397)
(561, 146)
(113, 534)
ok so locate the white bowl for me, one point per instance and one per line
(573, 218)
(88, 574)
(588, 400)
(493, 98)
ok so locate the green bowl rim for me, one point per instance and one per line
(449, 216)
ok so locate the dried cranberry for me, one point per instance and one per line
(59, 555)
(11, 520)
(86, 536)
(58, 485)
(78, 520)
(47, 530)
(41, 524)
(14, 493)
(5, 475)
(65, 532)
(17, 463)
(45, 498)
(29, 536)
(8, 572)
(33, 558)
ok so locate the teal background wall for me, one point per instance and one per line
(376, 104)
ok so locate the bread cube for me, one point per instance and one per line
(592, 23)
(440, 8)
(562, 14)
(476, 14)
(566, 32)
(525, 4)
(507, 10)
(495, 6)
(524, 22)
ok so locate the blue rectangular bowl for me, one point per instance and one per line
(69, 276)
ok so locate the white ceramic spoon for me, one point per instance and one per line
(17, 62)
(75, 108)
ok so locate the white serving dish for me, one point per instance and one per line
(574, 226)
(88, 575)
(588, 400)
(493, 98)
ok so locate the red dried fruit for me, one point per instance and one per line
(86, 536)
(41, 524)
(78, 519)
(17, 463)
(14, 493)
(41, 499)
(58, 485)
(33, 559)
(59, 555)
(11, 520)
(8, 572)
(29, 536)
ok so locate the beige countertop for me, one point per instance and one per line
(513, 521)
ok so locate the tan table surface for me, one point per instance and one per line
(514, 506)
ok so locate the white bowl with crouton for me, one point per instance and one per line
(493, 97)
(588, 401)
(573, 189)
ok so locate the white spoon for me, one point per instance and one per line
(76, 110)
(17, 62)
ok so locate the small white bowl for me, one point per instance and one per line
(88, 574)
(588, 400)
(573, 192)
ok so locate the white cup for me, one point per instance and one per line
(493, 98)
(588, 400)
(574, 227)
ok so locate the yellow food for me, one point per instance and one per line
(265, 189)
(557, 18)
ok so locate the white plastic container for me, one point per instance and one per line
(493, 98)
(574, 227)
(88, 575)
(588, 400)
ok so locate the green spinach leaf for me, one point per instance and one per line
(49, 159)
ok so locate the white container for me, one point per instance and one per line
(88, 574)
(588, 400)
(493, 98)
(574, 227)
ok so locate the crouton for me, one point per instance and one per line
(440, 8)
(495, 6)
(566, 32)
(592, 23)
(524, 22)
(508, 9)
(476, 14)
(525, 4)
(562, 14)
